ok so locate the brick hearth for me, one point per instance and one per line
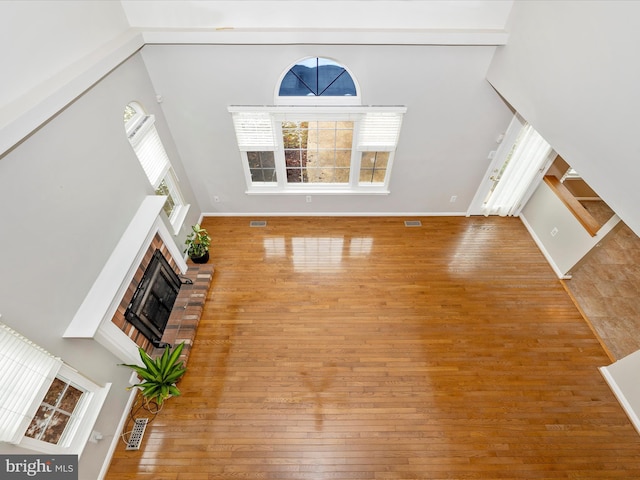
(187, 309)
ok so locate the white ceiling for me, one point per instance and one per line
(323, 14)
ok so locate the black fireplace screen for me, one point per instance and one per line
(153, 299)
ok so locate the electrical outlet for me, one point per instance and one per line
(453, 198)
(308, 198)
(216, 199)
(554, 232)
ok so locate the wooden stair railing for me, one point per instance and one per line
(575, 207)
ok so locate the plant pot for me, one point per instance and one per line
(203, 259)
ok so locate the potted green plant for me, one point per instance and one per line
(198, 242)
(159, 375)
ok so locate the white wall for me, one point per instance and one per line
(41, 38)
(453, 119)
(544, 213)
(569, 69)
(68, 193)
(622, 377)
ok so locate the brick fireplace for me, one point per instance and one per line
(101, 315)
(187, 309)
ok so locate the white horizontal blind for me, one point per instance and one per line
(26, 374)
(254, 131)
(379, 131)
(528, 158)
(151, 153)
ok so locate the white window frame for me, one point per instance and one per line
(180, 208)
(78, 432)
(143, 136)
(21, 354)
(317, 100)
(268, 137)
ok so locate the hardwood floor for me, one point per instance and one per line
(358, 348)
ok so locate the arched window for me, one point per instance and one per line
(317, 77)
(143, 136)
(318, 137)
(317, 80)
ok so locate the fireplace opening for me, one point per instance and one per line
(153, 299)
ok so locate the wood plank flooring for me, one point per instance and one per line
(358, 348)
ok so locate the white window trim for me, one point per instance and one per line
(80, 432)
(144, 138)
(180, 208)
(23, 350)
(317, 100)
(28, 371)
(279, 114)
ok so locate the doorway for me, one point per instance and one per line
(517, 167)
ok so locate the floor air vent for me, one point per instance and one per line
(257, 223)
(135, 439)
(412, 223)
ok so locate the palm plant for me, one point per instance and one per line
(159, 375)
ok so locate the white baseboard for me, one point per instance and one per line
(561, 275)
(333, 214)
(117, 436)
(617, 391)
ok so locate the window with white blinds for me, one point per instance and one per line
(254, 131)
(26, 374)
(35, 413)
(303, 149)
(379, 131)
(146, 143)
(528, 157)
(148, 147)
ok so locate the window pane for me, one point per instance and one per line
(56, 427)
(323, 125)
(317, 77)
(55, 412)
(55, 392)
(343, 158)
(373, 167)
(319, 175)
(254, 159)
(313, 147)
(70, 399)
(379, 176)
(170, 204)
(257, 176)
(293, 158)
(325, 138)
(294, 175)
(341, 175)
(326, 158)
(344, 138)
(129, 113)
(262, 166)
(267, 159)
(294, 134)
(39, 422)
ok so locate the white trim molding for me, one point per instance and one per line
(29, 112)
(93, 318)
(621, 376)
(26, 114)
